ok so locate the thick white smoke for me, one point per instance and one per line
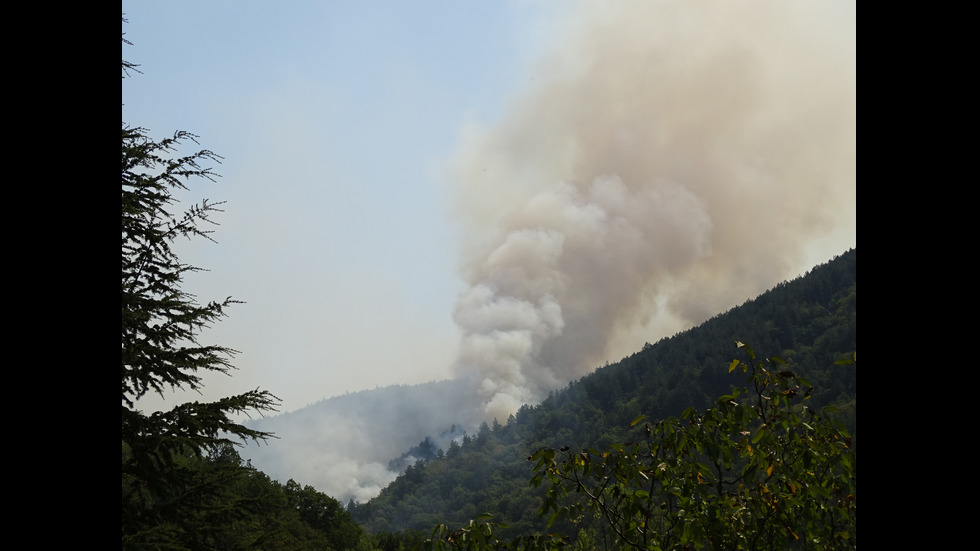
(345, 445)
(671, 160)
(574, 262)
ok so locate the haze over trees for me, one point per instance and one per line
(185, 486)
(676, 446)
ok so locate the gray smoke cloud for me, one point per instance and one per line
(666, 162)
(345, 445)
(670, 160)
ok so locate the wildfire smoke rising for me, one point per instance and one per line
(671, 160)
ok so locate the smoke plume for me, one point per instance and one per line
(667, 161)
(670, 160)
(345, 445)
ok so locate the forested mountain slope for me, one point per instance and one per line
(810, 322)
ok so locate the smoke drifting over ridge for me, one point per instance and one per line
(671, 160)
(666, 162)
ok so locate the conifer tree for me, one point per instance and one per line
(161, 327)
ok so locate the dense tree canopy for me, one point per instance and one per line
(758, 470)
(810, 322)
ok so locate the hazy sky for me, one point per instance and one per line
(377, 154)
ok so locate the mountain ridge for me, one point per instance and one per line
(354, 446)
(809, 321)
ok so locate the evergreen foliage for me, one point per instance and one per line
(163, 483)
(227, 504)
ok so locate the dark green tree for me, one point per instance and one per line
(161, 327)
(758, 470)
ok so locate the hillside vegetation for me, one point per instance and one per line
(534, 461)
(809, 322)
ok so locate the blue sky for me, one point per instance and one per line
(334, 119)
(349, 223)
